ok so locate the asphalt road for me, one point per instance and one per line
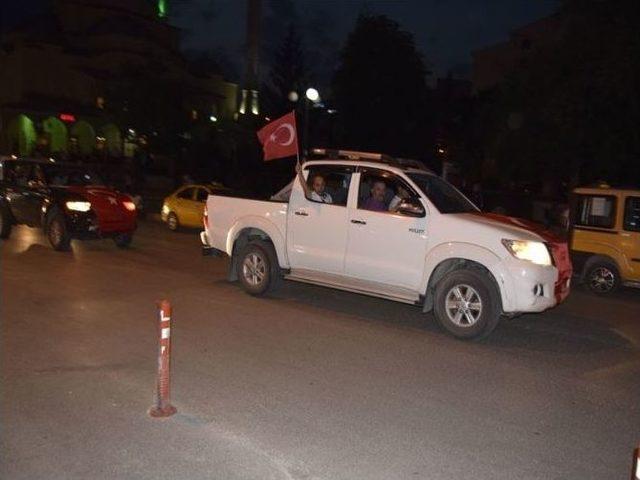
(309, 383)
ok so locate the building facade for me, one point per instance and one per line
(56, 69)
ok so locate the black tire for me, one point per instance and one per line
(467, 304)
(123, 240)
(5, 221)
(172, 222)
(601, 277)
(57, 232)
(257, 268)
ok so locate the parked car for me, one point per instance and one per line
(434, 248)
(185, 206)
(67, 201)
(605, 237)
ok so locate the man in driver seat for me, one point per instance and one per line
(376, 201)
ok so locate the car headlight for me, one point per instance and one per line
(535, 252)
(165, 209)
(78, 206)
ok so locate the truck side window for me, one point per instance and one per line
(382, 191)
(329, 184)
(595, 211)
(632, 214)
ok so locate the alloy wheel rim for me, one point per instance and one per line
(254, 269)
(172, 222)
(56, 232)
(463, 305)
(602, 279)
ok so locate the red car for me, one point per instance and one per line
(67, 201)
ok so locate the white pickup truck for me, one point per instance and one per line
(370, 224)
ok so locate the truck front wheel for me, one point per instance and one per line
(467, 304)
(257, 268)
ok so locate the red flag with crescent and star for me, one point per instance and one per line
(279, 138)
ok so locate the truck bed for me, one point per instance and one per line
(228, 215)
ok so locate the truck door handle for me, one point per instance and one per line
(359, 222)
(301, 213)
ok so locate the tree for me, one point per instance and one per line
(572, 111)
(380, 90)
(288, 73)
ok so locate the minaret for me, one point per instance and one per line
(162, 8)
(249, 101)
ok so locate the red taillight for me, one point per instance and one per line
(129, 205)
(205, 218)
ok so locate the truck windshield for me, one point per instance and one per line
(442, 194)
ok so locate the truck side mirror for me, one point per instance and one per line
(411, 207)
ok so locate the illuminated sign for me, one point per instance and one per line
(67, 117)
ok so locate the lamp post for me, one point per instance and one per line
(311, 95)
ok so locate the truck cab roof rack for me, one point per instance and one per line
(334, 154)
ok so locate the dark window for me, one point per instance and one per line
(187, 194)
(202, 195)
(595, 211)
(382, 191)
(632, 214)
(329, 184)
(17, 173)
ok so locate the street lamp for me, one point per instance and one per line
(312, 94)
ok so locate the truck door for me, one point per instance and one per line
(386, 245)
(317, 226)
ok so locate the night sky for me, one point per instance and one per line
(446, 31)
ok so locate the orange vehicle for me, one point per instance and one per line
(185, 206)
(605, 237)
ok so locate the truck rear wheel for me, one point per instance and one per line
(257, 268)
(467, 304)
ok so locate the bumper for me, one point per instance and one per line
(87, 227)
(535, 288)
(207, 250)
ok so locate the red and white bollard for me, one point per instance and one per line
(635, 472)
(163, 407)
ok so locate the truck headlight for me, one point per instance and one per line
(535, 252)
(78, 206)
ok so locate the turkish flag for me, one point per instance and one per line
(279, 138)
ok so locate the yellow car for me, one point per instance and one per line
(185, 206)
(605, 237)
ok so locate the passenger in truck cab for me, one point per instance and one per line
(401, 194)
(316, 191)
(376, 201)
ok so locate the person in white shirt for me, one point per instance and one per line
(317, 191)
